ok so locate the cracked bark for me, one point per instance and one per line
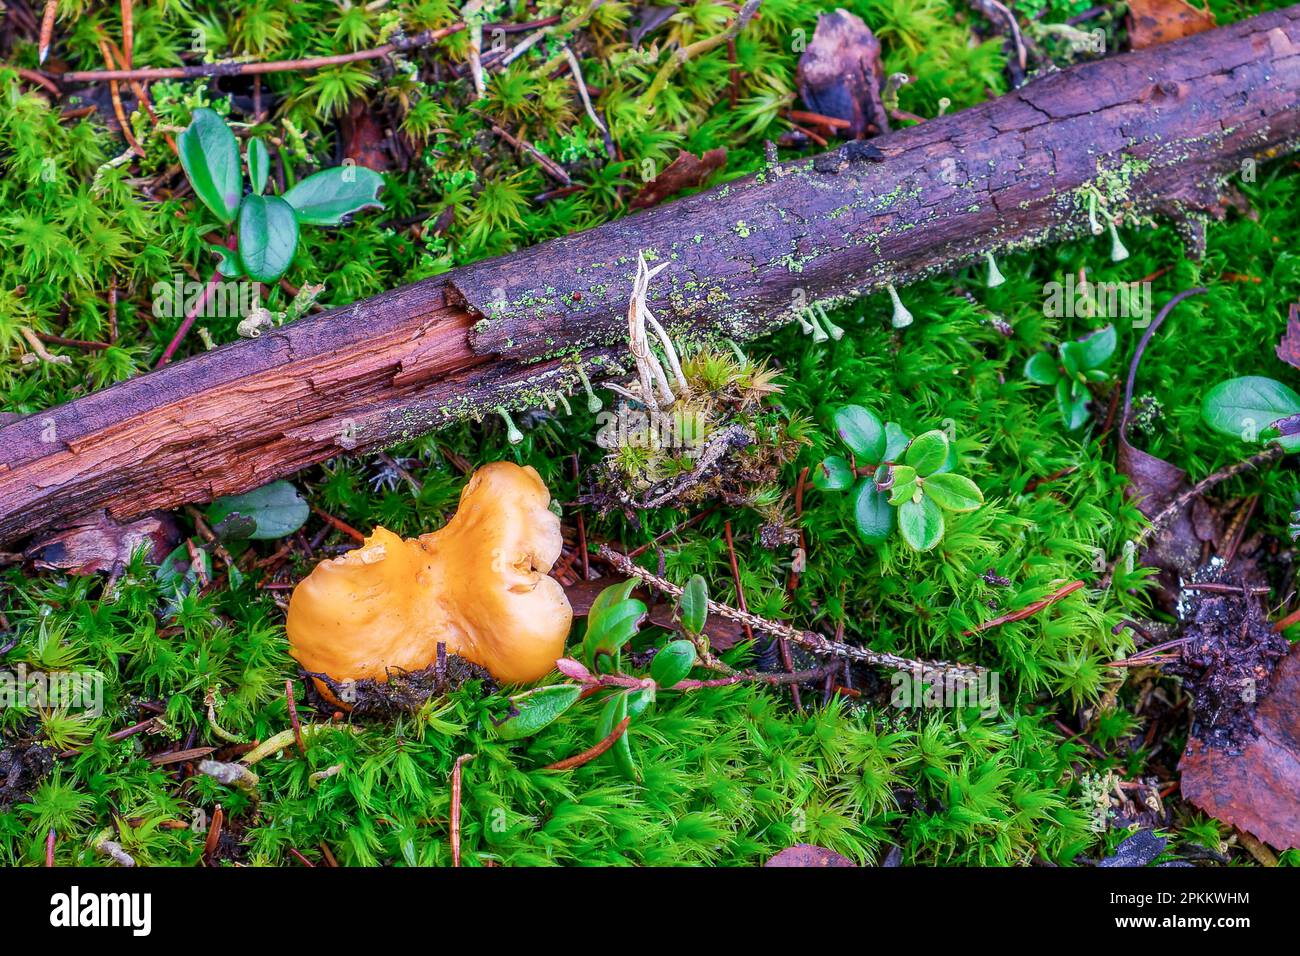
(1156, 131)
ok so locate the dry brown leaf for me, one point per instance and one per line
(1253, 782)
(100, 543)
(840, 74)
(1152, 22)
(1288, 349)
(686, 171)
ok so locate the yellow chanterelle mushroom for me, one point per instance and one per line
(479, 585)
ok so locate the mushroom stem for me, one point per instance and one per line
(834, 330)
(513, 434)
(901, 318)
(564, 403)
(996, 278)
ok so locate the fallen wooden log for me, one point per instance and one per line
(1150, 132)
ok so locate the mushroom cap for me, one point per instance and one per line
(479, 585)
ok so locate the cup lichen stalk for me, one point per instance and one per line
(901, 318)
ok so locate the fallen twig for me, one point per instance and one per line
(930, 670)
(456, 774)
(1025, 612)
(591, 753)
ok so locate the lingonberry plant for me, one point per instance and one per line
(614, 619)
(1076, 363)
(896, 479)
(266, 226)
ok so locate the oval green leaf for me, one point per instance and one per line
(537, 708)
(277, 510)
(896, 441)
(953, 492)
(210, 157)
(862, 432)
(1041, 369)
(672, 663)
(1243, 407)
(693, 605)
(324, 198)
(921, 523)
(259, 164)
(1096, 349)
(928, 452)
(872, 512)
(268, 237)
(610, 630)
(833, 474)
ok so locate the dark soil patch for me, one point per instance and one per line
(22, 767)
(404, 691)
(1227, 665)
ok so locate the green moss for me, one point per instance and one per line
(731, 774)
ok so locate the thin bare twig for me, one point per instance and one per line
(47, 31)
(456, 774)
(1028, 611)
(235, 68)
(591, 753)
(930, 670)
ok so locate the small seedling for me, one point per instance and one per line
(266, 229)
(1079, 362)
(892, 473)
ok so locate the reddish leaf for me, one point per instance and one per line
(100, 543)
(1152, 22)
(1253, 781)
(1288, 349)
(805, 854)
(840, 74)
(685, 172)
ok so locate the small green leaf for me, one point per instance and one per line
(928, 452)
(1096, 349)
(609, 630)
(1243, 408)
(904, 486)
(953, 492)
(693, 605)
(862, 432)
(1072, 399)
(537, 708)
(672, 663)
(833, 474)
(210, 157)
(1041, 369)
(621, 753)
(609, 596)
(896, 441)
(259, 164)
(324, 198)
(638, 701)
(268, 237)
(227, 261)
(872, 513)
(1072, 359)
(277, 509)
(921, 523)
